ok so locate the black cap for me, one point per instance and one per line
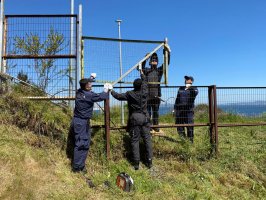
(189, 78)
(85, 81)
(154, 56)
(137, 84)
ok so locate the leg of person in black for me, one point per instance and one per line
(149, 107)
(155, 112)
(180, 119)
(135, 137)
(145, 134)
(190, 129)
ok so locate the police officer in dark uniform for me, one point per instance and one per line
(183, 108)
(138, 121)
(80, 126)
(154, 74)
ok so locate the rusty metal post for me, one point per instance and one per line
(215, 116)
(107, 126)
(210, 98)
(211, 119)
(3, 63)
(1, 33)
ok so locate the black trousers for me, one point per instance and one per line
(140, 127)
(153, 106)
(135, 133)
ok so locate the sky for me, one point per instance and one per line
(218, 42)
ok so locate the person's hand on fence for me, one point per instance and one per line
(139, 67)
(173, 113)
(167, 48)
(110, 87)
(93, 75)
(107, 87)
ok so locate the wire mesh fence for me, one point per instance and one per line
(166, 103)
(241, 104)
(168, 133)
(40, 50)
(102, 56)
(40, 31)
(242, 118)
(238, 115)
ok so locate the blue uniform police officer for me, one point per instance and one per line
(184, 107)
(80, 126)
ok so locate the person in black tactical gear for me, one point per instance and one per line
(138, 120)
(80, 124)
(184, 107)
(154, 74)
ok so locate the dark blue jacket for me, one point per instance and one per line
(84, 103)
(185, 98)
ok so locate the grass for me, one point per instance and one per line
(33, 164)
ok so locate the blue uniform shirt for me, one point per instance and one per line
(185, 98)
(84, 103)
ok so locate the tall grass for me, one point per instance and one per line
(33, 164)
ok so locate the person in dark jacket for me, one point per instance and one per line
(138, 120)
(154, 75)
(80, 124)
(184, 107)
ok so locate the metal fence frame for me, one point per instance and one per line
(213, 123)
(160, 43)
(74, 51)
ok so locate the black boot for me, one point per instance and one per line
(149, 163)
(136, 165)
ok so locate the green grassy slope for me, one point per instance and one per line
(33, 164)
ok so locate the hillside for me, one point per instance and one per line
(33, 162)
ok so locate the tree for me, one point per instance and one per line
(45, 69)
(23, 77)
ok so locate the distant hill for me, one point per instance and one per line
(255, 108)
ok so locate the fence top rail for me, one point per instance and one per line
(199, 86)
(162, 86)
(246, 87)
(40, 15)
(38, 56)
(121, 40)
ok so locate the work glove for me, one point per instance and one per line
(173, 113)
(93, 75)
(139, 67)
(110, 87)
(167, 48)
(107, 87)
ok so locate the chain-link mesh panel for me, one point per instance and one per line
(102, 56)
(40, 50)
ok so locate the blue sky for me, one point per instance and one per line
(220, 42)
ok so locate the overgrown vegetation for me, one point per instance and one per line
(33, 164)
